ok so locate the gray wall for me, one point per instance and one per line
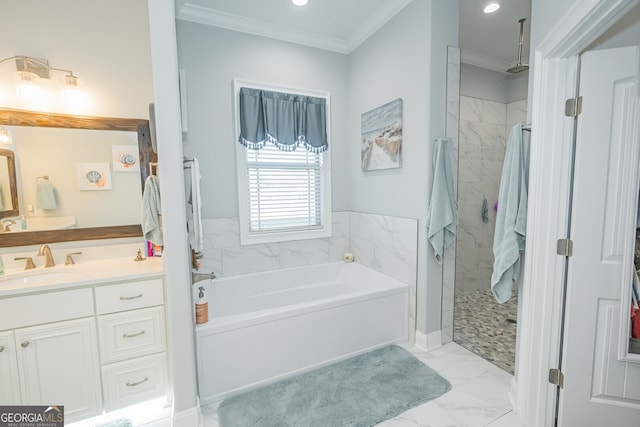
(212, 58)
(405, 59)
(491, 85)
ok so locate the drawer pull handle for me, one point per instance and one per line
(25, 343)
(137, 383)
(129, 298)
(1, 348)
(137, 334)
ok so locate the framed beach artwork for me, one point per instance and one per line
(381, 137)
(94, 176)
(125, 158)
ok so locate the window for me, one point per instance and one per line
(284, 191)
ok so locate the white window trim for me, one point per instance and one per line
(247, 237)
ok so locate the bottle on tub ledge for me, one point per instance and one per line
(202, 308)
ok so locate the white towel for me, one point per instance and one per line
(151, 220)
(194, 212)
(442, 216)
(45, 198)
(511, 219)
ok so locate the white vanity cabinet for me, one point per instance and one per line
(10, 383)
(92, 348)
(54, 351)
(132, 342)
(58, 365)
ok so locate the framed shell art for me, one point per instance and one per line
(381, 137)
(94, 176)
(125, 158)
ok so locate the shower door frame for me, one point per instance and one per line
(555, 69)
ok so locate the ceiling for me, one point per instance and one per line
(489, 41)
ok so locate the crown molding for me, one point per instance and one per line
(375, 22)
(478, 60)
(202, 15)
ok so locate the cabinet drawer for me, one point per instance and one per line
(132, 381)
(131, 334)
(27, 310)
(129, 296)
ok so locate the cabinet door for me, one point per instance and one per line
(59, 365)
(9, 385)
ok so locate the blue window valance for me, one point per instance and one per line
(287, 120)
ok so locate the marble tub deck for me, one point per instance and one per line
(478, 397)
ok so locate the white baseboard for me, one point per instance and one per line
(430, 341)
(513, 394)
(189, 418)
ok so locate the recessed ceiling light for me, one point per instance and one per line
(299, 2)
(491, 7)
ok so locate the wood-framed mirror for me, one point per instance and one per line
(22, 118)
(8, 185)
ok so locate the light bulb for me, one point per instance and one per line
(299, 2)
(5, 135)
(491, 7)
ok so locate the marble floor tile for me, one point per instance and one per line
(478, 396)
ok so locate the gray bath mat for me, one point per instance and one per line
(361, 391)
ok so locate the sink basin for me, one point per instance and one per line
(38, 277)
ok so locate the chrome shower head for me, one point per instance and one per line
(519, 67)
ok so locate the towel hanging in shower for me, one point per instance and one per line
(511, 219)
(442, 215)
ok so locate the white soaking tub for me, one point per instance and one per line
(266, 326)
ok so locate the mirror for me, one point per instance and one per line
(10, 117)
(8, 185)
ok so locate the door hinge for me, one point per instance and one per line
(573, 107)
(564, 247)
(556, 377)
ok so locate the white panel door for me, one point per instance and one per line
(599, 390)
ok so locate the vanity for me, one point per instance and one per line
(90, 336)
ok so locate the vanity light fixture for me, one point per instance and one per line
(29, 69)
(491, 7)
(5, 135)
(299, 2)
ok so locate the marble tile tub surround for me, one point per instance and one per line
(383, 243)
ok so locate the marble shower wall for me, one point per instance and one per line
(484, 128)
(452, 127)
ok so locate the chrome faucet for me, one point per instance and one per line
(48, 256)
(197, 277)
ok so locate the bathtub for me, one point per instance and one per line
(266, 326)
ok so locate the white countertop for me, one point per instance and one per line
(17, 281)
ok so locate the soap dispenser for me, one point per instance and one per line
(202, 307)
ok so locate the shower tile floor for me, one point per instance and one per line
(486, 328)
(478, 397)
